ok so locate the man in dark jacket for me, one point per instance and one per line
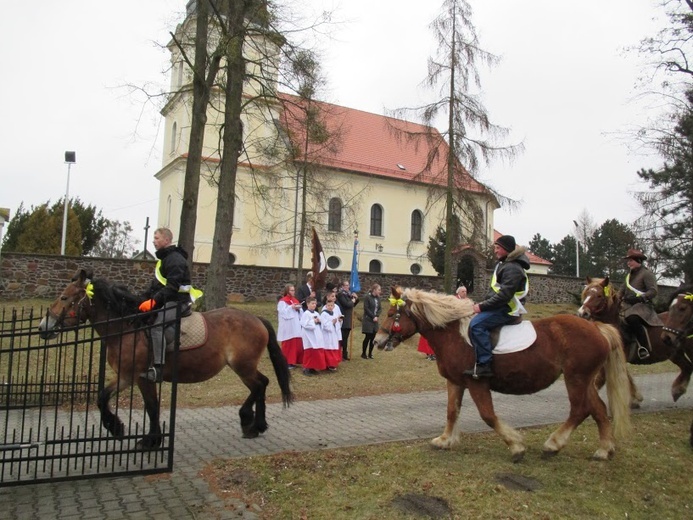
(171, 286)
(346, 300)
(637, 293)
(502, 304)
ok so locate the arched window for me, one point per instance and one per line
(377, 220)
(334, 216)
(416, 225)
(174, 131)
(374, 266)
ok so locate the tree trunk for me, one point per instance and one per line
(201, 93)
(215, 289)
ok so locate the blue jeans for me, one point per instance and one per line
(479, 332)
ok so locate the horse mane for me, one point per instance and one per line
(438, 309)
(117, 299)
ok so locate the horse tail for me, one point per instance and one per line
(617, 381)
(281, 367)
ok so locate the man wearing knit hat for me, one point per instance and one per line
(637, 293)
(502, 304)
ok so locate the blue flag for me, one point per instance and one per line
(354, 283)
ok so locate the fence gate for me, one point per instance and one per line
(50, 425)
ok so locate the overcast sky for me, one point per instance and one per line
(564, 85)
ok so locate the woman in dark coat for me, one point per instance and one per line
(370, 325)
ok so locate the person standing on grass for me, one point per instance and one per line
(289, 312)
(346, 300)
(331, 332)
(313, 341)
(461, 292)
(369, 326)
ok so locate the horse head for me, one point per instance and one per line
(70, 308)
(679, 324)
(399, 323)
(600, 301)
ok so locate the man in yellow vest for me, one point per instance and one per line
(637, 293)
(502, 304)
(170, 287)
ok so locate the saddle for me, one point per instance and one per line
(495, 333)
(193, 332)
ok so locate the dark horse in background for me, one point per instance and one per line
(234, 338)
(600, 302)
(678, 330)
(565, 344)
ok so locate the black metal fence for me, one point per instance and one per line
(50, 425)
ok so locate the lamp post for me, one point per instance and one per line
(70, 159)
(577, 251)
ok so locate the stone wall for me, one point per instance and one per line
(24, 276)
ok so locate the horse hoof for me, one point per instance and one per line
(251, 435)
(548, 454)
(148, 444)
(634, 405)
(517, 457)
(677, 395)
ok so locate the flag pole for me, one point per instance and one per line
(354, 285)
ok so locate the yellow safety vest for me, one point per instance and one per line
(194, 293)
(516, 307)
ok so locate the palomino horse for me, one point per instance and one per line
(564, 344)
(600, 302)
(234, 338)
(679, 326)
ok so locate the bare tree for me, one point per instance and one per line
(204, 72)
(469, 136)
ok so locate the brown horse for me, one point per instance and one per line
(565, 344)
(234, 338)
(600, 302)
(679, 326)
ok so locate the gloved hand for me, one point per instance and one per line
(147, 305)
(632, 299)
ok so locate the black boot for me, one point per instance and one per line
(155, 374)
(642, 340)
(479, 370)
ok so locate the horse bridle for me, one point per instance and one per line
(687, 329)
(396, 328)
(70, 310)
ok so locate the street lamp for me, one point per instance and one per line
(70, 159)
(577, 251)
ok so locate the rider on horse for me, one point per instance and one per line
(638, 292)
(503, 303)
(171, 286)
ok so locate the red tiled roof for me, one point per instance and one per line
(368, 145)
(533, 259)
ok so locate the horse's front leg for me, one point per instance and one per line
(680, 384)
(109, 420)
(152, 439)
(451, 434)
(481, 394)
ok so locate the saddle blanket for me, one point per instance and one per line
(514, 338)
(193, 332)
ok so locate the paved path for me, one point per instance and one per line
(207, 433)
